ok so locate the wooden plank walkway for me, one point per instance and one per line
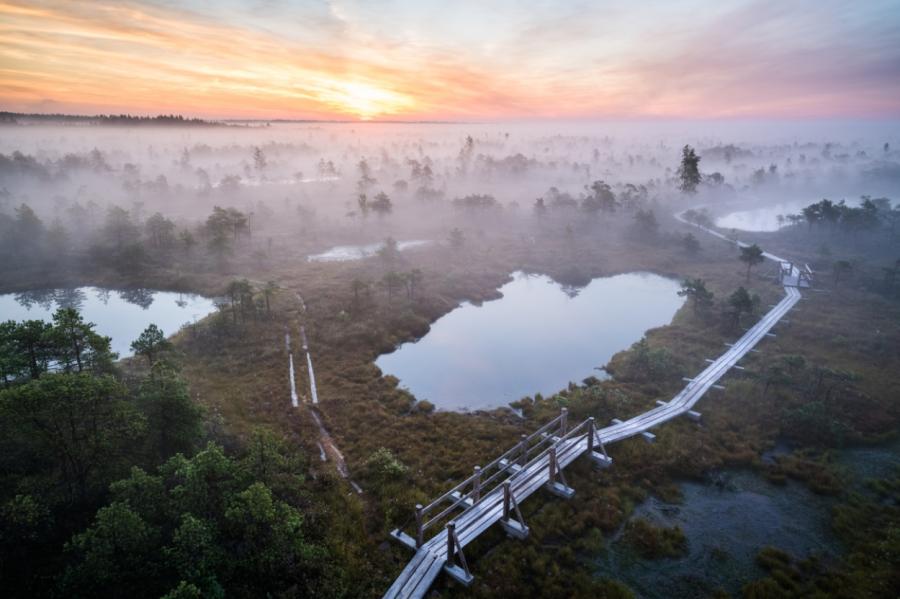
(313, 393)
(520, 480)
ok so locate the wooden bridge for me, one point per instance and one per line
(492, 494)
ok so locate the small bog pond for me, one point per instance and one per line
(727, 521)
(726, 525)
(120, 314)
(764, 218)
(535, 339)
(343, 253)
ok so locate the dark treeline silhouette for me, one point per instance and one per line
(106, 119)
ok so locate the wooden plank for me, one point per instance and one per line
(427, 578)
(407, 574)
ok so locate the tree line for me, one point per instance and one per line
(106, 119)
(87, 237)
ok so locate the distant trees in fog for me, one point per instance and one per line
(868, 216)
(465, 155)
(456, 239)
(83, 237)
(599, 198)
(224, 226)
(689, 170)
(645, 225)
(389, 252)
(699, 216)
(381, 204)
(366, 180)
(633, 197)
(107, 119)
(849, 230)
(476, 202)
(362, 202)
(259, 159)
(560, 200)
(326, 168)
(160, 231)
(429, 194)
(690, 243)
(419, 171)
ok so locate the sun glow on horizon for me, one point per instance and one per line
(364, 100)
(417, 59)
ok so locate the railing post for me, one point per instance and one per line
(563, 421)
(420, 534)
(476, 485)
(552, 464)
(523, 450)
(590, 444)
(506, 485)
(451, 545)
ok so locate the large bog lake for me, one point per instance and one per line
(535, 339)
(120, 314)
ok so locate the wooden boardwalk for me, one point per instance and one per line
(492, 494)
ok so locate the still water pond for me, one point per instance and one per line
(764, 218)
(535, 339)
(344, 253)
(120, 314)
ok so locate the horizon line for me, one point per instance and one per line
(190, 119)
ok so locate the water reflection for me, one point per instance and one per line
(41, 297)
(536, 338)
(70, 298)
(138, 296)
(120, 314)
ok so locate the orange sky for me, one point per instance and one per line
(465, 60)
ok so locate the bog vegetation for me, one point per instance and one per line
(185, 471)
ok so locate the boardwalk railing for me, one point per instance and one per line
(553, 452)
(484, 479)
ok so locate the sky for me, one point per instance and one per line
(461, 60)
